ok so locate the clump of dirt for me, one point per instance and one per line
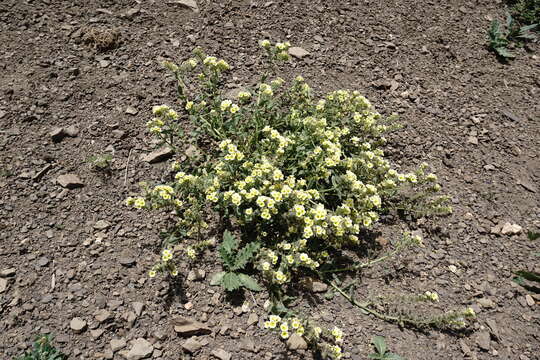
(102, 39)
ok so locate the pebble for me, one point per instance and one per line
(191, 345)
(191, 4)
(483, 339)
(69, 181)
(298, 52)
(221, 354)
(3, 285)
(71, 131)
(486, 303)
(8, 272)
(131, 110)
(511, 229)
(252, 319)
(189, 327)
(141, 349)
(102, 315)
(102, 225)
(529, 299)
(96, 333)
(158, 155)
(57, 134)
(319, 287)
(43, 261)
(197, 274)
(138, 307)
(78, 325)
(296, 342)
(118, 344)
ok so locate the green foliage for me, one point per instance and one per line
(526, 12)
(100, 162)
(500, 39)
(234, 260)
(43, 350)
(382, 350)
(523, 277)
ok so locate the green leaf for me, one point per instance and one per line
(245, 255)
(528, 27)
(217, 278)
(376, 356)
(504, 53)
(249, 282)
(533, 235)
(227, 248)
(231, 281)
(380, 344)
(529, 275)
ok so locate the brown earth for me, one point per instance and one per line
(83, 63)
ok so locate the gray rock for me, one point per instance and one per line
(118, 344)
(43, 261)
(138, 307)
(78, 325)
(3, 285)
(158, 155)
(131, 110)
(191, 345)
(69, 181)
(486, 303)
(483, 339)
(57, 134)
(96, 333)
(511, 229)
(197, 274)
(8, 272)
(298, 52)
(102, 225)
(190, 4)
(296, 342)
(102, 315)
(141, 349)
(71, 131)
(252, 319)
(189, 327)
(221, 354)
(318, 287)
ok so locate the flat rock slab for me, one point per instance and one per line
(158, 155)
(296, 342)
(141, 349)
(189, 327)
(69, 181)
(78, 325)
(298, 52)
(221, 354)
(190, 4)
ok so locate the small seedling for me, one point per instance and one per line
(382, 350)
(43, 350)
(500, 39)
(100, 162)
(235, 259)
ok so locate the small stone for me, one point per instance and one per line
(138, 307)
(296, 342)
(529, 299)
(191, 4)
(96, 333)
(43, 261)
(197, 274)
(102, 315)
(452, 268)
(188, 305)
(131, 12)
(158, 155)
(189, 327)
(472, 140)
(119, 134)
(318, 287)
(221, 354)
(298, 52)
(104, 63)
(69, 181)
(78, 325)
(511, 229)
(57, 134)
(489, 167)
(118, 344)
(141, 349)
(252, 319)
(483, 339)
(8, 272)
(191, 345)
(71, 131)
(493, 328)
(3, 285)
(131, 110)
(126, 260)
(486, 303)
(102, 225)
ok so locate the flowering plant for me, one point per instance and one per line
(299, 177)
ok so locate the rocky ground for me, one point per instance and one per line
(78, 81)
